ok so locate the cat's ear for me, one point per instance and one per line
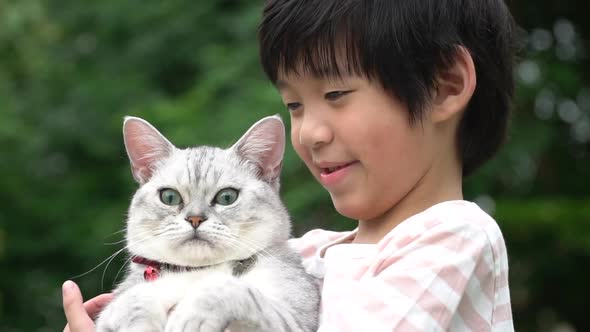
(145, 147)
(264, 145)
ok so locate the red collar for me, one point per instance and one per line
(145, 261)
(153, 268)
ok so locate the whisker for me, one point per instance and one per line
(114, 243)
(110, 258)
(127, 261)
(248, 243)
(262, 249)
(101, 263)
(117, 232)
(235, 244)
(148, 237)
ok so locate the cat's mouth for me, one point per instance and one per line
(196, 238)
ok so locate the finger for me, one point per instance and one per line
(78, 319)
(95, 305)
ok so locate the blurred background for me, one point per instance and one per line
(70, 70)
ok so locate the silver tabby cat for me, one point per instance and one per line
(207, 234)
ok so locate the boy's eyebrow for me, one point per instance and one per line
(329, 74)
(281, 84)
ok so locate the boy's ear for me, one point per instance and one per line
(264, 145)
(454, 86)
(145, 146)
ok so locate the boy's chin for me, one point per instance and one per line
(348, 208)
(358, 208)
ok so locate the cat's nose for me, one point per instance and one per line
(195, 221)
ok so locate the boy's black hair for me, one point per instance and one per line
(402, 44)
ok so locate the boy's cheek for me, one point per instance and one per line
(305, 156)
(295, 141)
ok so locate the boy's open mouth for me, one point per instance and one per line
(333, 169)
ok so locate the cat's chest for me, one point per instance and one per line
(172, 285)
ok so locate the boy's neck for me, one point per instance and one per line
(434, 187)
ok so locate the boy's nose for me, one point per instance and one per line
(314, 133)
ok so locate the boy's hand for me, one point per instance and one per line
(80, 315)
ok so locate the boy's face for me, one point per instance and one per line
(357, 141)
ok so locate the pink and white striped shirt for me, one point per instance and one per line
(444, 269)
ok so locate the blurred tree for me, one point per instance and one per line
(70, 71)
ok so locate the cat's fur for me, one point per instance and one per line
(237, 269)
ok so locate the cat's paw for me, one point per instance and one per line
(215, 305)
(135, 310)
(209, 307)
(199, 314)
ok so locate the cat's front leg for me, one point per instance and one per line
(136, 309)
(215, 306)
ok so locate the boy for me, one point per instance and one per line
(392, 103)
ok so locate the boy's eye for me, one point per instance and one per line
(293, 106)
(334, 95)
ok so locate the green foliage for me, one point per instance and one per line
(70, 71)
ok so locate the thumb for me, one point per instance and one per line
(78, 319)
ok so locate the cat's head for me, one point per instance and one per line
(204, 205)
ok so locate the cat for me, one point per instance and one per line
(207, 236)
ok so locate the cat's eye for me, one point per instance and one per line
(170, 196)
(226, 196)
